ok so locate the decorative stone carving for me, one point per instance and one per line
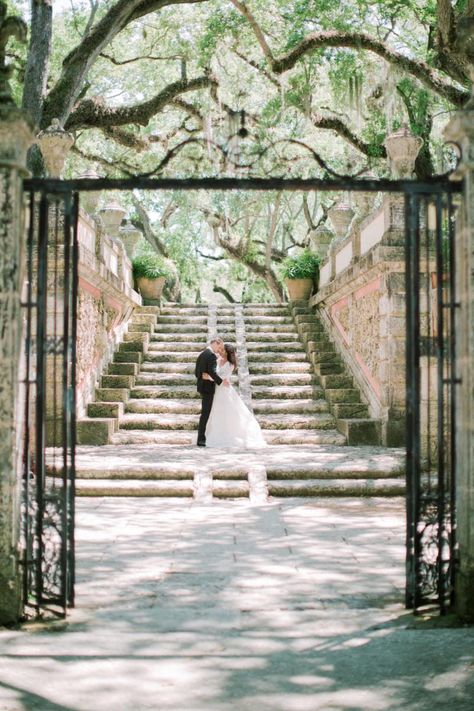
(129, 236)
(112, 215)
(55, 144)
(10, 26)
(341, 216)
(321, 238)
(90, 200)
(402, 148)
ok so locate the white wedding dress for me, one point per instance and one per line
(230, 423)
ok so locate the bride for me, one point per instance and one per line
(230, 423)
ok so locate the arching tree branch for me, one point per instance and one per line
(336, 124)
(358, 41)
(90, 113)
(76, 65)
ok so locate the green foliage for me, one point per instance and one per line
(149, 266)
(303, 266)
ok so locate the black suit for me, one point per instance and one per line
(206, 363)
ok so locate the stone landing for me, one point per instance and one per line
(258, 475)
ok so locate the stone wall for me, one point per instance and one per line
(362, 302)
(106, 301)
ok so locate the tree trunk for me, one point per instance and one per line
(37, 65)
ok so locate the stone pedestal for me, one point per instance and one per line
(15, 138)
(461, 130)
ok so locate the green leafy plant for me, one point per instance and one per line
(303, 266)
(149, 266)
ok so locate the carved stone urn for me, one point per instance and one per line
(55, 143)
(90, 199)
(112, 215)
(129, 236)
(321, 238)
(341, 215)
(403, 148)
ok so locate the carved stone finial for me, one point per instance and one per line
(9, 27)
(321, 238)
(341, 216)
(55, 143)
(129, 235)
(112, 215)
(403, 148)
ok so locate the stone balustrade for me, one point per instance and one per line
(106, 302)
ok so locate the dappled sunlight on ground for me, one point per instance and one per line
(290, 606)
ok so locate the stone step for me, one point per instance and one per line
(164, 367)
(270, 338)
(181, 319)
(153, 405)
(234, 489)
(188, 437)
(108, 487)
(360, 431)
(258, 346)
(342, 410)
(293, 392)
(117, 381)
(292, 421)
(136, 470)
(282, 379)
(275, 357)
(122, 369)
(288, 406)
(165, 379)
(171, 357)
(337, 487)
(270, 328)
(191, 340)
(128, 357)
(111, 394)
(294, 437)
(178, 328)
(342, 395)
(262, 319)
(185, 346)
(156, 437)
(174, 392)
(336, 381)
(288, 368)
(143, 327)
(161, 421)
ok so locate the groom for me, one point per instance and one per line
(207, 363)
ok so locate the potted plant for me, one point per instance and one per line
(150, 273)
(300, 274)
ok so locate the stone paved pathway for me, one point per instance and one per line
(289, 606)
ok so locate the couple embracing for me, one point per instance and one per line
(225, 421)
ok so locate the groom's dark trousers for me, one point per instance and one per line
(206, 363)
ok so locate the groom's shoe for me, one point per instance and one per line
(201, 444)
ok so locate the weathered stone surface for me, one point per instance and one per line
(123, 369)
(95, 431)
(117, 381)
(112, 394)
(360, 431)
(105, 409)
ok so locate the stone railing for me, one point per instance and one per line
(361, 300)
(105, 304)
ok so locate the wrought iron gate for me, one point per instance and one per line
(48, 520)
(431, 399)
(48, 397)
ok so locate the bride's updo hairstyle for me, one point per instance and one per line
(230, 353)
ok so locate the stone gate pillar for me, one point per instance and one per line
(15, 138)
(461, 130)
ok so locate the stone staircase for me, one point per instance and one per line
(289, 374)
